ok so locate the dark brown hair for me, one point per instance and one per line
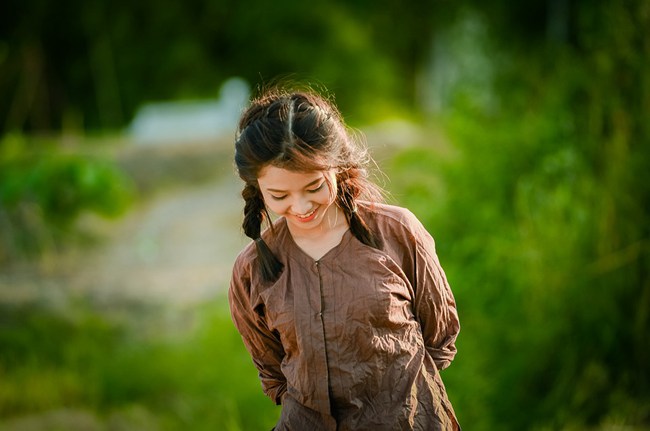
(300, 131)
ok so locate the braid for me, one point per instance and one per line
(254, 211)
(348, 192)
(254, 214)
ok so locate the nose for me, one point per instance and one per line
(301, 205)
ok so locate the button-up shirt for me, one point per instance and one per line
(356, 339)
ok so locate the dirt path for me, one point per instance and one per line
(178, 248)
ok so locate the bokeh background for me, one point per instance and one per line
(518, 132)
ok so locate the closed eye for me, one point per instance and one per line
(278, 198)
(317, 189)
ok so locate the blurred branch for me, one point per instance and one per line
(27, 89)
(619, 258)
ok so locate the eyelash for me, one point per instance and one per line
(316, 190)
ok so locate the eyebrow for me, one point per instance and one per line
(313, 183)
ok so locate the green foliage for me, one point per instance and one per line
(542, 226)
(415, 182)
(43, 190)
(78, 359)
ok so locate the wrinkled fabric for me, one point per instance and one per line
(355, 340)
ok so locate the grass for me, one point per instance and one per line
(78, 360)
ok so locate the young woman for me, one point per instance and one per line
(341, 301)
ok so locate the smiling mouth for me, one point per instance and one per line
(307, 217)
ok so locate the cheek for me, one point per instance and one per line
(331, 197)
(324, 198)
(277, 207)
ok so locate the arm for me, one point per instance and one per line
(263, 345)
(435, 307)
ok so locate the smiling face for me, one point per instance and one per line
(303, 198)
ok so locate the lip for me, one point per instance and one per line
(309, 218)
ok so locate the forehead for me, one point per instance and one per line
(272, 177)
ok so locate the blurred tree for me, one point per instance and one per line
(90, 64)
(550, 234)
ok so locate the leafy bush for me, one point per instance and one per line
(43, 190)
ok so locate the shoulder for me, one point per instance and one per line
(392, 218)
(244, 261)
(393, 212)
(401, 231)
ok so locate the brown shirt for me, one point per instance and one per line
(354, 340)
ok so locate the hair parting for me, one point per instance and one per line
(300, 131)
(290, 121)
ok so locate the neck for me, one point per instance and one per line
(319, 241)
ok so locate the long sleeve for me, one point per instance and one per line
(435, 306)
(263, 345)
